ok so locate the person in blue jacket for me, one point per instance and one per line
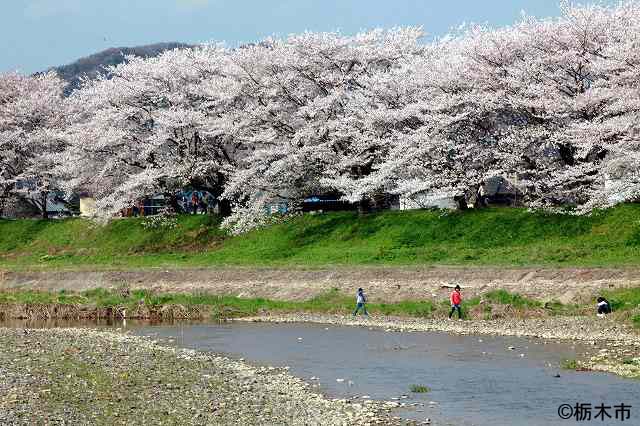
(361, 301)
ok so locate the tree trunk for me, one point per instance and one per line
(461, 201)
(173, 203)
(364, 207)
(45, 213)
(224, 207)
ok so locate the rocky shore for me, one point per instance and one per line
(616, 345)
(81, 376)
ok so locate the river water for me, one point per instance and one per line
(473, 380)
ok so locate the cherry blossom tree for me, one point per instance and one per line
(551, 102)
(31, 126)
(533, 100)
(155, 126)
(312, 116)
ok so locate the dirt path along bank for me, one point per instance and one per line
(382, 284)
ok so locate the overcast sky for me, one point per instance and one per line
(38, 34)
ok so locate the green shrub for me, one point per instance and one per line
(503, 297)
(624, 298)
(419, 389)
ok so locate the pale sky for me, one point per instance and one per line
(38, 34)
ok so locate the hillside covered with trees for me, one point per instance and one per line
(92, 66)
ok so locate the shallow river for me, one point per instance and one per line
(473, 380)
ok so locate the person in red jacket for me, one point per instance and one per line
(456, 300)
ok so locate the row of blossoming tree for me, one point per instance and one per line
(555, 103)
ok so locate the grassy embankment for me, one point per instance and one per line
(496, 236)
(147, 304)
(505, 237)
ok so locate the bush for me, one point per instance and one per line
(419, 389)
(503, 297)
(166, 219)
(624, 299)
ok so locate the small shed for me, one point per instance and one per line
(87, 206)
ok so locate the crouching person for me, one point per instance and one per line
(604, 307)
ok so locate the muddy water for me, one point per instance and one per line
(473, 380)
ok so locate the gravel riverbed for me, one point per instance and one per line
(82, 376)
(616, 345)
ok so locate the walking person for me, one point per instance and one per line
(361, 301)
(456, 301)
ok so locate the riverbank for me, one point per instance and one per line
(31, 301)
(82, 376)
(496, 312)
(617, 344)
(386, 284)
(497, 237)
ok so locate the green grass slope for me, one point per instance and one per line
(495, 236)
